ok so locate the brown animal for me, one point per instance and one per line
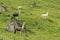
(19, 28)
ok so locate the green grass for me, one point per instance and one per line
(37, 27)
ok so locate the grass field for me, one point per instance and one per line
(37, 27)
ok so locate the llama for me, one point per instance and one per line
(17, 14)
(45, 15)
(19, 8)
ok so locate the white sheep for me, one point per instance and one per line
(45, 15)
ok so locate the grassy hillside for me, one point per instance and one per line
(37, 27)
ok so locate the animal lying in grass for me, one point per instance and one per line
(15, 25)
(4, 8)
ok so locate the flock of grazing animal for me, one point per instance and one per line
(15, 15)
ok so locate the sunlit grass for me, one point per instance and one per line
(37, 27)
